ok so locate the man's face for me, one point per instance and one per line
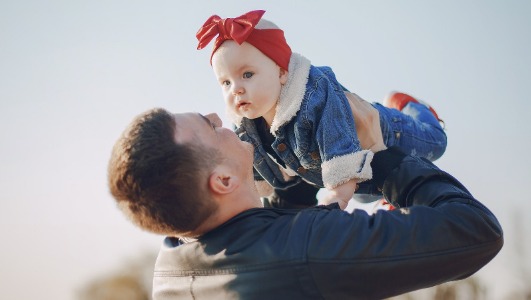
(250, 81)
(208, 131)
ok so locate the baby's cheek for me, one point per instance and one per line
(232, 112)
(232, 109)
(230, 105)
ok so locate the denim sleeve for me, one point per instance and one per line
(257, 176)
(335, 133)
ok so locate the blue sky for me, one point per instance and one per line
(74, 73)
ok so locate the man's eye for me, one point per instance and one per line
(248, 74)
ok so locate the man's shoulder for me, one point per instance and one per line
(272, 219)
(248, 232)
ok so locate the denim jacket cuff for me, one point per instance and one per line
(341, 169)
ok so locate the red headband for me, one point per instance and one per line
(271, 42)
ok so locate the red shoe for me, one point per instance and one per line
(382, 204)
(398, 100)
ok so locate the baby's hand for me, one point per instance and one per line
(329, 199)
(341, 194)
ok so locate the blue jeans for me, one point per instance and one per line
(414, 129)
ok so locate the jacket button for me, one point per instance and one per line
(301, 170)
(315, 155)
(281, 147)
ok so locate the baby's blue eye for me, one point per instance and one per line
(248, 74)
(226, 82)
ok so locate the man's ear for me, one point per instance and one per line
(222, 182)
(283, 76)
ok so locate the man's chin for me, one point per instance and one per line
(249, 147)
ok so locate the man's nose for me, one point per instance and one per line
(215, 119)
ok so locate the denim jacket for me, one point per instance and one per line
(314, 133)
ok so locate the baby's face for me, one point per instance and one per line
(250, 81)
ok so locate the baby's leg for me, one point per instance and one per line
(416, 129)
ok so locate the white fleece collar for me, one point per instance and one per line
(291, 94)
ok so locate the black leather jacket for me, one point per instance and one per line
(439, 233)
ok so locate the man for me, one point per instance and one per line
(187, 177)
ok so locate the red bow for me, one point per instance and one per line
(237, 29)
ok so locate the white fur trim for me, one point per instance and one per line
(292, 93)
(341, 169)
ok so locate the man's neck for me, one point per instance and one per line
(229, 206)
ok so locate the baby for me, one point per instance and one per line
(298, 116)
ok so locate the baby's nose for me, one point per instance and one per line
(237, 89)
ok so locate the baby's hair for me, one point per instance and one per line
(266, 24)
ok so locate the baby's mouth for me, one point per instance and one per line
(243, 105)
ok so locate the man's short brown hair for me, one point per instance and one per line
(159, 184)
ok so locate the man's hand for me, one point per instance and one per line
(367, 120)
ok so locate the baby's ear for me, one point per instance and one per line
(283, 76)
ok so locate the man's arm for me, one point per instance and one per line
(438, 233)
